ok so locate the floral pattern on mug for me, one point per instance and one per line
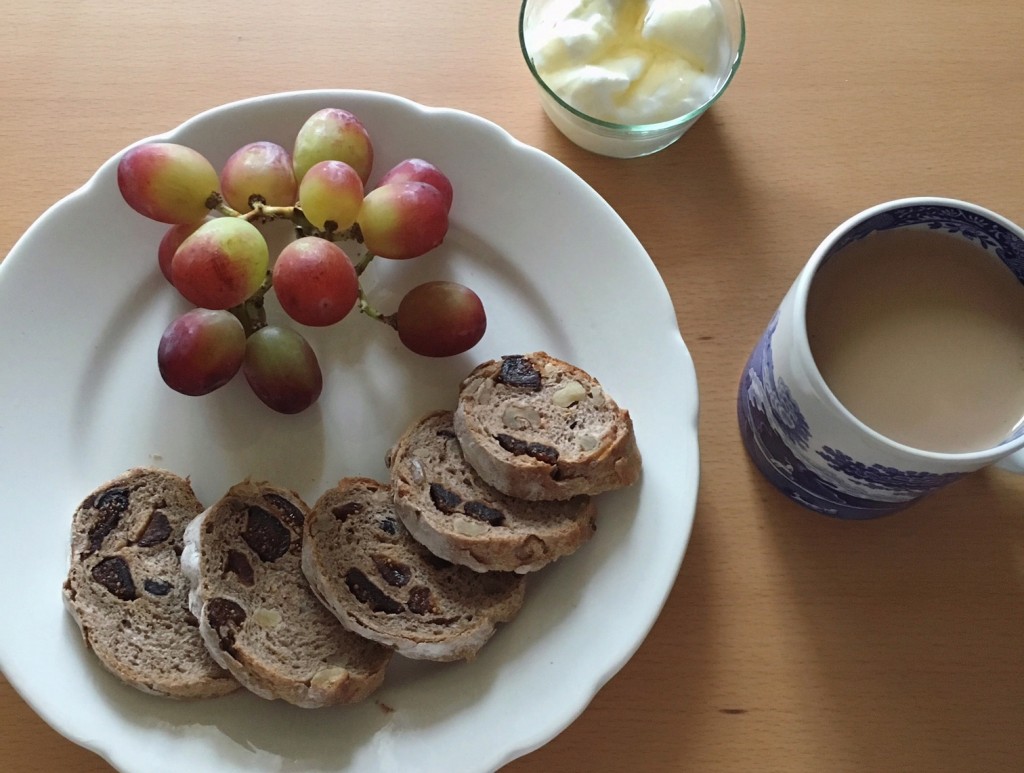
(821, 473)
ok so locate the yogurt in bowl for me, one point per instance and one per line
(627, 78)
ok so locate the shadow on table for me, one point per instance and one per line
(680, 194)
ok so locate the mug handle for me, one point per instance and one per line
(1013, 463)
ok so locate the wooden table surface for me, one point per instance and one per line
(790, 642)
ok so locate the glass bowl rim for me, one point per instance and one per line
(642, 128)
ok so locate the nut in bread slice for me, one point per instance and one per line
(384, 585)
(126, 591)
(448, 508)
(256, 611)
(536, 427)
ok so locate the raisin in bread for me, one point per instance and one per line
(457, 516)
(126, 591)
(535, 427)
(258, 615)
(381, 583)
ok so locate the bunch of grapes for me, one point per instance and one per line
(216, 256)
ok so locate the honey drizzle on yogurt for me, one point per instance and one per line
(631, 61)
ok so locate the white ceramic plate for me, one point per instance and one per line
(82, 306)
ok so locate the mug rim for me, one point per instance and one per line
(802, 292)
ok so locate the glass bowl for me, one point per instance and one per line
(627, 140)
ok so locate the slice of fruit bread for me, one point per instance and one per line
(384, 585)
(257, 613)
(536, 427)
(126, 591)
(448, 507)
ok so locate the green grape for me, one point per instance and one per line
(259, 169)
(167, 182)
(402, 220)
(169, 244)
(222, 264)
(330, 195)
(332, 134)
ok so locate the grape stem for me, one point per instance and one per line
(391, 320)
(216, 202)
(260, 210)
(252, 313)
(263, 212)
(266, 212)
(363, 263)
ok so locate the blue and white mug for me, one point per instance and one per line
(804, 440)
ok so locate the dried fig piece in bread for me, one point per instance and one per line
(384, 585)
(450, 509)
(536, 428)
(259, 616)
(126, 591)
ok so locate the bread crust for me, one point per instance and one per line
(257, 613)
(526, 537)
(125, 589)
(384, 585)
(552, 432)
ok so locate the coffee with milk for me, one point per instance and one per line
(920, 335)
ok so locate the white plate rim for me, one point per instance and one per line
(683, 379)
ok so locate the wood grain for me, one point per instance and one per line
(790, 642)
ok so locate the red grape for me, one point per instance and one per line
(315, 281)
(167, 182)
(259, 169)
(332, 134)
(201, 351)
(282, 369)
(169, 244)
(222, 264)
(403, 220)
(439, 319)
(418, 170)
(331, 192)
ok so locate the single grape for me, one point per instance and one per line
(403, 220)
(439, 319)
(262, 169)
(201, 351)
(315, 281)
(282, 369)
(333, 134)
(222, 264)
(418, 170)
(331, 193)
(167, 182)
(169, 244)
